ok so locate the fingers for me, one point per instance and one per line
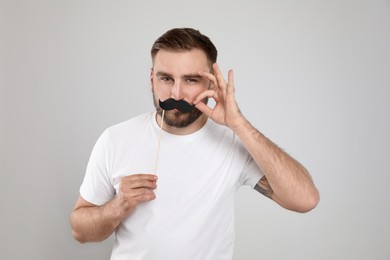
(230, 85)
(220, 90)
(204, 109)
(143, 195)
(135, 189)
(137, 185)
(210, 77)
(136, 181)
(206, 94)
(218, 82)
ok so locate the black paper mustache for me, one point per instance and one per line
(181, 105)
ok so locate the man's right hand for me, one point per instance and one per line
(133, 190)
(92, 223)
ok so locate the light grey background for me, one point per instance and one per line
(314, 76)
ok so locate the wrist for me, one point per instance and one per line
(239, 125)
(115, 209)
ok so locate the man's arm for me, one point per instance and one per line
(285, 180)
(92, 223)
(264, 188)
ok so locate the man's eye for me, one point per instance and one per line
(166, 78)
(190, 80)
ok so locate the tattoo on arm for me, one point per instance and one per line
(264, 188)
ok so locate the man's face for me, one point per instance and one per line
(176, 75)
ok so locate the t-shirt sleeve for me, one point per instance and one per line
(251, 173)
(97, 187)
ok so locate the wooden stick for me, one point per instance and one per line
(159, 141)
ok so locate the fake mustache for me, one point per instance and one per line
(181, 105)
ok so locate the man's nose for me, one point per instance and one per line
(177, 91)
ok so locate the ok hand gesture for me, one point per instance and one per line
(226, 111)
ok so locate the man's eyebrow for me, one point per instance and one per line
(187, 76)
(162, 73)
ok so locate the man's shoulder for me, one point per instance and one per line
(132, 124)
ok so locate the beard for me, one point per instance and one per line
(175, 118)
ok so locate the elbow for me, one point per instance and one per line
(314, 199)
(76, 233)
(82, 238)
(78, 237)
(301, 204)
(310, 202)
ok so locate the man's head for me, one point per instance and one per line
(185, 39)
(178, 56)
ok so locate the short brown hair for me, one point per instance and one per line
(185, 39)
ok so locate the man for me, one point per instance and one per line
(180, 203)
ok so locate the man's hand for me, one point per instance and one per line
(91, 223)
(133, 190)
(226, 111)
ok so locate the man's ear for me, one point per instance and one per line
(151, 74)
(151, 78)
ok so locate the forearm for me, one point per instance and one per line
(95, 223)
(291, 183)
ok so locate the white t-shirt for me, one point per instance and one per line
(192, 216)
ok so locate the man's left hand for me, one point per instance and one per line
(226, 110)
